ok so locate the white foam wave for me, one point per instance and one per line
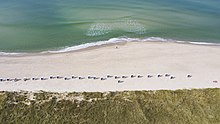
(111, 41)
(11, 54)
(199, 43)
(83, 46)
(204, 43)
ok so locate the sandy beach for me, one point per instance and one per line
(123, 59)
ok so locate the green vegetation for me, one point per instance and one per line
(130, 107)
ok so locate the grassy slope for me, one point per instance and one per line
(140, 107)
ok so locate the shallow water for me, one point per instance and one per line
(33, 26)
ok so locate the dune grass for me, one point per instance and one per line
(129, 107)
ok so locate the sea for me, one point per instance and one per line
(30, 26)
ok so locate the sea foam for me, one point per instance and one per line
(98, 29)
(127, 25)
(133, 26)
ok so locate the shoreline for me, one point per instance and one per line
(94, 45)
(138, 58)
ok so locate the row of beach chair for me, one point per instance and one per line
(119, 78)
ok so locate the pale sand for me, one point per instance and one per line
(203, 62)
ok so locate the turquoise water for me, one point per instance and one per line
(40, 25)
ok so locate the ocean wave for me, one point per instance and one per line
(204, 43)
(11, 54)
(111, 41)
